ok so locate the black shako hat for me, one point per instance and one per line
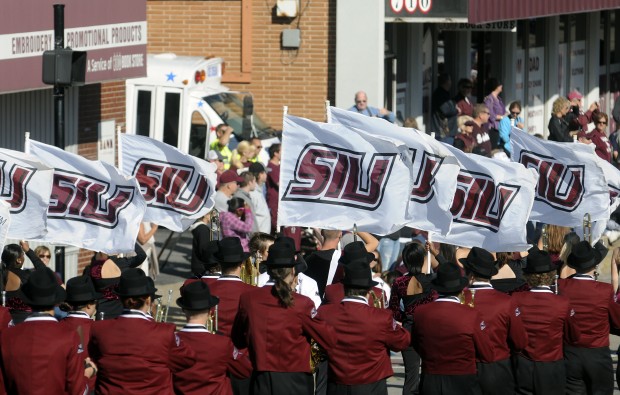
(42, 289)
(135, 283)
(582, 257)
(282, 253)
(196, 296)
(81, 290)
(449, 279)
(230, 251)
(358, 275)
(480, 262)
(538, 261)
(356, 252)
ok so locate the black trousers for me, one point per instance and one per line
(437, 384)
(321, 378)
(282, 383)
(411, 360)
(240, 386)
(588, 371)
(496, 378)
(378, 388)
(540, 378)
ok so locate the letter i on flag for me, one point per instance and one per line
(178, 188)
(92, 205)
(25, 185)
(334, 177)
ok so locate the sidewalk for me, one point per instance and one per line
(175, 268)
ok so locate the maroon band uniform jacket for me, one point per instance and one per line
(208, 279)
(595, 308)
(549, 321)
(365, 334)
(334, 293)
(502, 318)
(136, 355)
(216, 357)
(450, 336)
(277, 336)
(39, 356)
(229, 290)
(80, 319)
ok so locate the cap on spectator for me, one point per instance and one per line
(230, 176)
(470, 123)
(214, 155)
(256, 168)
(574, 95)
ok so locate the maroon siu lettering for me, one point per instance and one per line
(14, 181)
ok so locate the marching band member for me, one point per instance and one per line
(216, 357)
(588, 362)
(273, 319)
(40, 355)
(106, 270)
(207, 269)
(229, 289)
(548, 320)
(135, 354)
(501, 315)
(450, 336)
(359, 363)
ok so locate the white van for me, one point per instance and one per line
(182, 100)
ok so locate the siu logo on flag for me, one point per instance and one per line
(428, 166)
(13, 184)
(171, 186)
(559, 185)
(331, 175)
(82, 198)
(479, 202)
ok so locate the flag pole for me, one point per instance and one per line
(328, 113)
(428, 253)
(119, 155)
(278, 225)
(27, 143)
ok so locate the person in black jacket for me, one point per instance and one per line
(105, 272)
(558, 126)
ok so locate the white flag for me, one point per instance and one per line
(5, 222)
(492, 204)
(26, 185)
(571, 181)
(434, 169)
(333, 177)
(178, 188)
(92, 205)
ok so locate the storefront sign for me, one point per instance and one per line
(426, 10)
(506, 26)
(112, 32)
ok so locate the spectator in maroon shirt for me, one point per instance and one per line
(599, 136)
(273, 183)
(465, 140)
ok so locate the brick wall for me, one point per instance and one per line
(301, 79)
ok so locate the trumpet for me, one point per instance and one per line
(587, 227)
(471, 301)
(545, 238)
(249, 270)
(214, 226)
(212, 320)
(161, 309)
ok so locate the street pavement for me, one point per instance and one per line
(175, 268)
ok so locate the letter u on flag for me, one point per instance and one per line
(570, 182)
(178, 188)
(92, 205)
(25, 185)
(333, 177)
(434, 169)
(492, 203)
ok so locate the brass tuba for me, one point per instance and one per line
(249, 270)
(463, 300)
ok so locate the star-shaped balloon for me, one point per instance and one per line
(170, 76)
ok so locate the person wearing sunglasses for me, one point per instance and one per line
(599, 135)
(515, 119)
